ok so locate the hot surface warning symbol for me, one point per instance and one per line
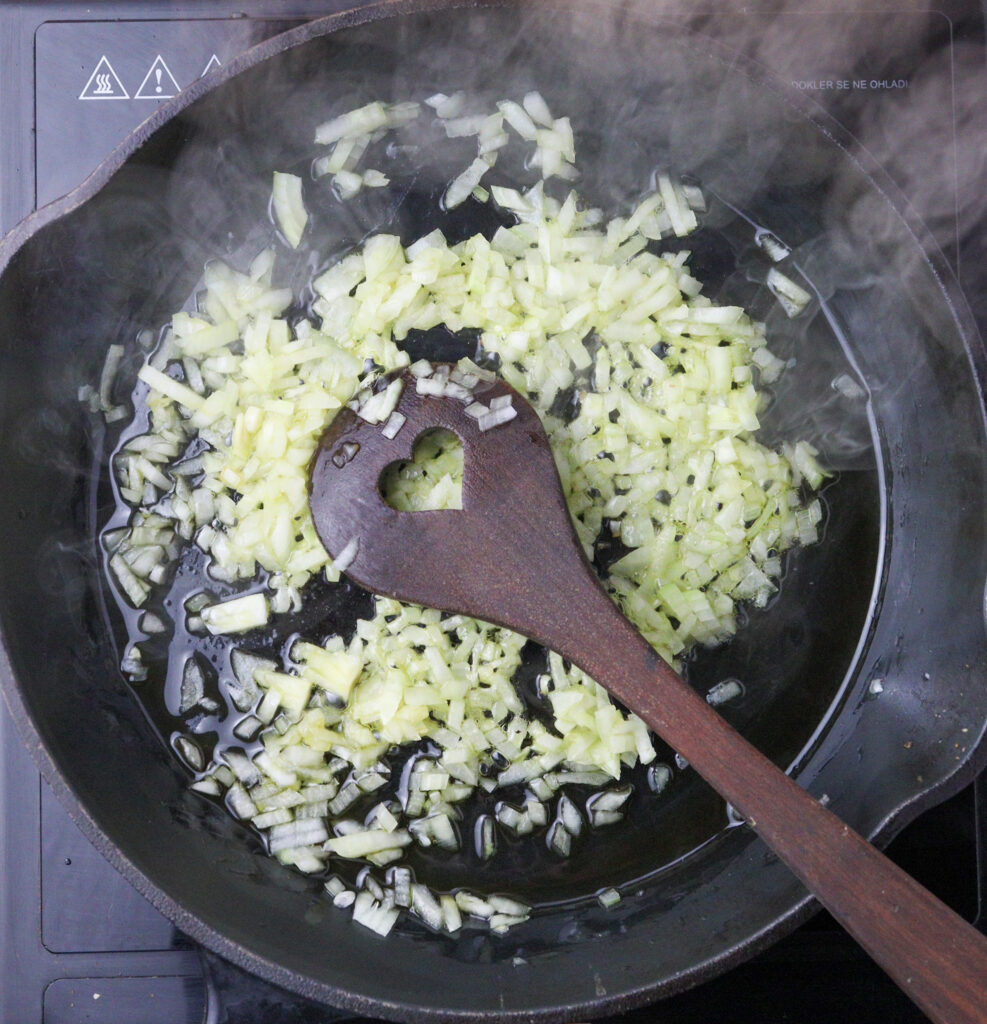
(103, 84)
(159, 83)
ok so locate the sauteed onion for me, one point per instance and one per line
(650, 394)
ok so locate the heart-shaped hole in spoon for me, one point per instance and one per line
(431, 479)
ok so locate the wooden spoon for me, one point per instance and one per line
(510, 556)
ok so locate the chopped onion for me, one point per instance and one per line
(473, 905)
(723, 691)
(775, 249)
(345, 557)
(656, 446)
(247, 728)
(289, 207)
(519, 119)
(392, 428)
(378, 917)
(298, 833)
(536, 107)
(496, 417)
(447, 106)
(193, 685)
(360, 844)
(190, 752)
(378, 407)
(791, 297)
(608, 898)
(560, 839)
(169, 387)
(847, 386)
(425, 906)
(461, 187)
(236, 615)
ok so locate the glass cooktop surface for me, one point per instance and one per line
(78, 943)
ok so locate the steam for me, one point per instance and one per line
(932, 144)
(724, 96)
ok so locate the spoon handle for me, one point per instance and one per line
(511, 556)
(936, 957)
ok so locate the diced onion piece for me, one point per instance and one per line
(475, 906)
(569, 815)
(393, 426)
(680, 213)
(425, 906)
(335, 671)
(773, 247)
(723, 691)
(361, 121)
(193, 685)
(659, 776)
(307, 832)
(243, 688)
(379, 406)
(430, 386)
(111, 365)
(360, 844)
(467, 366)
(237, 615)
(847, 386)
(461, 127)
(239, 802)
(373, 915)
(694, 197)
(247, 728)
(447, 106)
(289, 207)
(190, 752)
(347, 183)
(135, 589)
(345, 557)
(169, 387)
(791, 297)
(560, 839)
(536, 107)
(496, 417)
(608, 898)
(460, 188)
(519, 119)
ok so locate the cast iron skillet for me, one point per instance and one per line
(865, 676)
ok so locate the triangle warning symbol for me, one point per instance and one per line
(214, 62)
(103, 84)
(159, 83)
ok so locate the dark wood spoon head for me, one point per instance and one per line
(514, 524)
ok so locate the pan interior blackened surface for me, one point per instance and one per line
(130, 256)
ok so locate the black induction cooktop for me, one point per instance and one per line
(77, 943)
